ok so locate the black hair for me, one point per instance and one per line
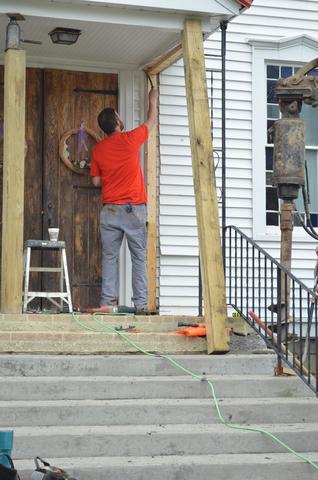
(107, 120)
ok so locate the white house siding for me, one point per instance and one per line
(266, 19)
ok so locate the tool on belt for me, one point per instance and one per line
(45, 471)
(130, 328)
(111, 309)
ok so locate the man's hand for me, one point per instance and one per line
(96, 181)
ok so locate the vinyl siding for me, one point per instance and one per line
(178, 260)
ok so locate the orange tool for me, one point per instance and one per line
(198, 330)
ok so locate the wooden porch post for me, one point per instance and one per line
(13, 181)
(151, 175)
(204, 187)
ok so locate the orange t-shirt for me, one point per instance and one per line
(116, 160)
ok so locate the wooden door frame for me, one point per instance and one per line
(126, 108)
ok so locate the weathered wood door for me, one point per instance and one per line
(72, 99)
(59, 193)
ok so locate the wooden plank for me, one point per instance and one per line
(204, 187)
(165, 61)
(33, 173)
(54, 127)
(13, 181)
(151, 183)
(80, 207)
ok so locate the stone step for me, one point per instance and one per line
(154, 440)
(96, 343)
(189, 467)
(156, 411)
(25, 365)
(229, 386)
(61, 334)
(71, 326)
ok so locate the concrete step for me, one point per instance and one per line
(133, 365)
(156, 411)
(172, 467)
(139, 417)
(154, 440)
(229, 386)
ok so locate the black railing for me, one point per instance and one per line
(278, 306)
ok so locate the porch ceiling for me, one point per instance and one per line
(98, 44)
(122, 34)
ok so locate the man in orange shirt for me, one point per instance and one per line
(115, 166)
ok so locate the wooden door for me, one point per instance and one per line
(70, 202)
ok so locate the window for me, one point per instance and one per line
(310, 116)
(284, 54)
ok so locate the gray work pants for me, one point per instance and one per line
(115, 221)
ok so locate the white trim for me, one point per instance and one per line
(126, 107)
(295, 50)
(193, 6)
(76, 65)
(282, 43)
(82, 65)
(103, 14)
(126, 98)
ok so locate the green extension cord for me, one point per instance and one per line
(110, 329)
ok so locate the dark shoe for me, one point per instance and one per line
(126, 309)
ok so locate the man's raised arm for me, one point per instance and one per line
(152, 109)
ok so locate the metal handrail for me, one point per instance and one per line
(288, 325)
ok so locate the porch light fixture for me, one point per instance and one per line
(64, 36)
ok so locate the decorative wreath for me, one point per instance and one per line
(81, 163)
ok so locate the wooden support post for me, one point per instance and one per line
(151, 181)
(204, 187)
(13, 181)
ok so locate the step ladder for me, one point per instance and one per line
(63, 294)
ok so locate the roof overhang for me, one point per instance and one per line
(125, 33)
